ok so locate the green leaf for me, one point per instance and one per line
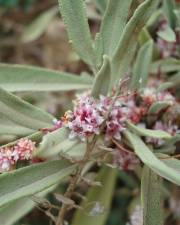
(32, 179)
(177, 13)
(113, 24)
(9, 127)
(31, 78)
(73, 13)
(58, 142)
(164, 86)
(127, 45)
(101, 5)
(102, 80)
(168, 8)
(171, 162)
(102, 195)
(151, 198)
(23, 113)
(144, 36)
(147, 132)
(149, 159)
(167, 34)
(38, 26)
(158, 106)
(141, 66)
(15, 210)
(165, 66)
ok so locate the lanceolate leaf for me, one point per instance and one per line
(102, 80)
(101, 5)
(149, 159)
(30, 78)
(32, 179)
(9, 127)
(100, 195)
(167, 34)
(177, 13)
(170, 161)
(165, 65)
(151, 197)
(168, 7)
(147, 132)
(23, 113)
(15, 210)
(38, 26)
(113, 24)
(141, 70)
(127, 45)
(73, 13)
(158, 106)
(57, 142)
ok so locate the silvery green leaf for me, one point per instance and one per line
(148, 132)
(151, 198)
(58, 142)
(165, 86)
(167, 34)
(38, 26)
(158, 106)
(144, 36)
(31, 78)
(170, 161)
(177, 13)
(32, 179)
(15, 210)
(165, 65)
(102, 80)
(150, 160)
(22, 113)
(101, 5)
(113, 24)
(127, 45)
(168, 8)
(74, 16)
(141, 66)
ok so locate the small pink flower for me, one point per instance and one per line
(9, 156)
(86, 119)
(24, 149)
(125, 160)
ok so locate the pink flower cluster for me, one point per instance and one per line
(108, 114)
(9, 156)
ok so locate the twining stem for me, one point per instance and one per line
(75, 179)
